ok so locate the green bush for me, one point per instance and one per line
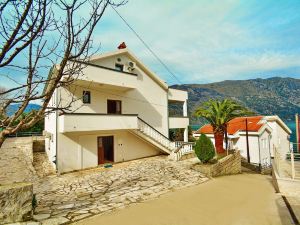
(204, 149)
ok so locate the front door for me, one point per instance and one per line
(105, 149)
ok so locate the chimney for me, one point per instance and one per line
(122, 45)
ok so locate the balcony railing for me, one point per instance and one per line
(108, 76)
(74, 122)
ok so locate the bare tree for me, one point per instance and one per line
(46, 35)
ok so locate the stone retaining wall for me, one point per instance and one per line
(15, 202)
(230, 164)
(16, 159)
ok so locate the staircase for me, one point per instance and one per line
(175, 150)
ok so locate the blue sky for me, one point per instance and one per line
(207, 41)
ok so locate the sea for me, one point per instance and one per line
(290, 124)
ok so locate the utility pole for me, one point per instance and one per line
(247, 141)
(297, 132)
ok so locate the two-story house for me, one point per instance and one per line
(121, 114)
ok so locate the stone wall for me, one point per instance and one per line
(230, 164)
(16, 159)
(38, 146)
(15, 202)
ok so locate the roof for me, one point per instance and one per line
(235, 125)
(279, 121)
(127, 52)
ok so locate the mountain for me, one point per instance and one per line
(272, 96)
(14, 107)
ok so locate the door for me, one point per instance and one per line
(105, 149)
(114, 107)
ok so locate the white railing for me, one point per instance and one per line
(185, 148)
(155, 134)
(177, 148)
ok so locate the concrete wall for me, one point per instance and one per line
(78, 150)
(15, 202)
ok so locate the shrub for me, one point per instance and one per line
(204, 149)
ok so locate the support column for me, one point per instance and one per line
(185, 108)
(186, 135)
(186, 130)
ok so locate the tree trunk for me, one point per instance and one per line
(2, 139)
(219, 139)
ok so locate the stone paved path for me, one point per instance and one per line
(74, 196)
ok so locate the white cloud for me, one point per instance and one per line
(200, 40)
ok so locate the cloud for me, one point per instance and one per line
(203, 41)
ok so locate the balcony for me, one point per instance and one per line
(178, 122)
(175, 95)
(80, 122)
(106, 78)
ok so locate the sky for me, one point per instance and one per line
(208, 41)
(204, 41)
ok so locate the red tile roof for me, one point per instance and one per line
(237, 124)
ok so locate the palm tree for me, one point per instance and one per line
(218, 114)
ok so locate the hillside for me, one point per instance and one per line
(280, 96)
(14, 107)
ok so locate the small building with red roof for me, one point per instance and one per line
(265, 133)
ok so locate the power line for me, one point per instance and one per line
(146, 45)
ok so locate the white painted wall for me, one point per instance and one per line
(50, 128)
(143, 94)
(265, 148)
(88, 122)
(178, 122)
(79, 150)
(279, 139)
(149, 100)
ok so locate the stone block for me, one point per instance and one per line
(228, 165)
(16, 202)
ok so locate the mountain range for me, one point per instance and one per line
(14, 107)
(271, 96)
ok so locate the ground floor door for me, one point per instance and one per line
(105, 149)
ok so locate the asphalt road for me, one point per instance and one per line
(230, 200)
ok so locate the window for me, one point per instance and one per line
(86, 97)
(119, 67)
(114, 107)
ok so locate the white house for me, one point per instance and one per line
(121, 114)
(265, 133)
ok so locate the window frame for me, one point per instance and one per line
(89, 97)
(120, 66)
